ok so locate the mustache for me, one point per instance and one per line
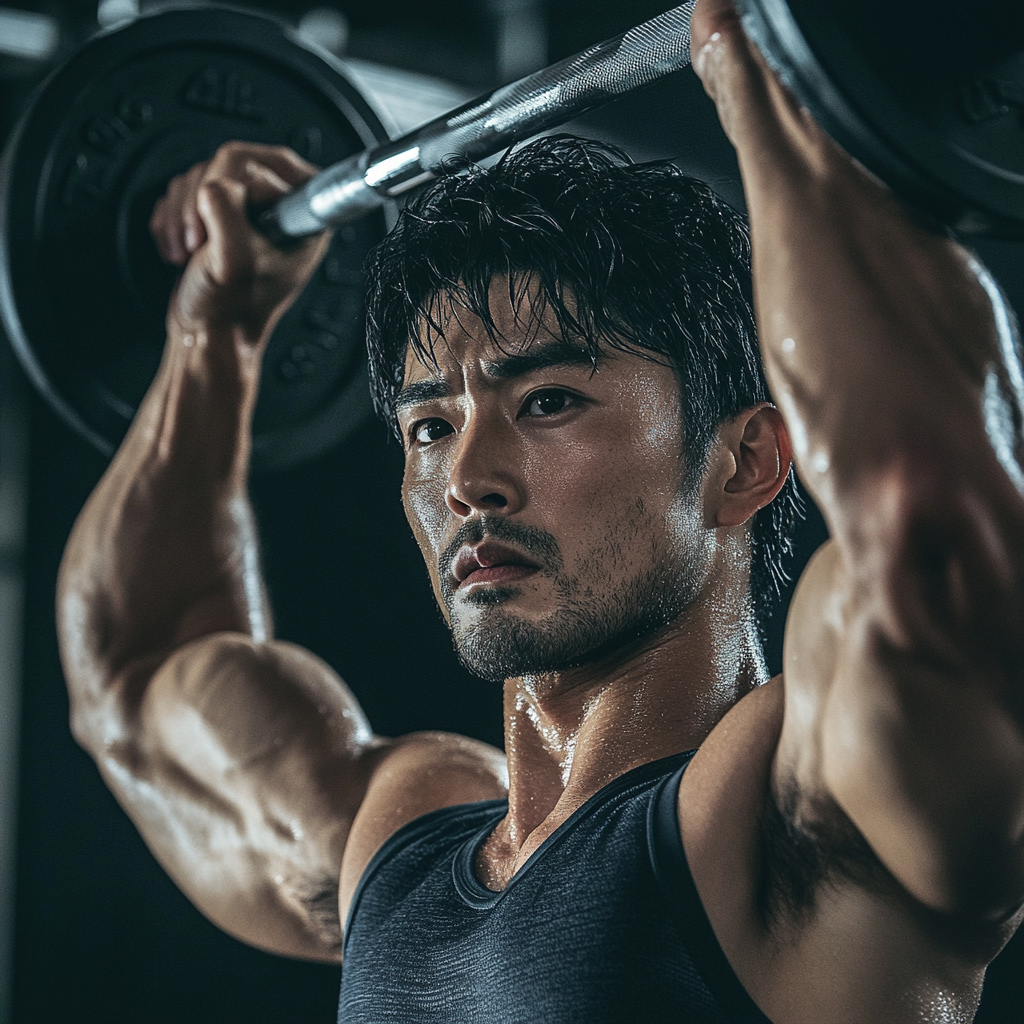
(531, 540)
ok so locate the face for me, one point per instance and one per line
(546, 496)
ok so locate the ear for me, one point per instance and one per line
(747, 466)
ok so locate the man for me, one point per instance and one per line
(851, 843)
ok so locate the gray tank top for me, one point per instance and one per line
(602, 925)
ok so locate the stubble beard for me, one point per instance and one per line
(594, 615)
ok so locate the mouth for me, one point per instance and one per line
(490, 564)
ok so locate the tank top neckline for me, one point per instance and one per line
(475, 894)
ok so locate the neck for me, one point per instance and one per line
(568, 733)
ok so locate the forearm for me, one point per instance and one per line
(242, 761)
(876, 331)
(165, 550)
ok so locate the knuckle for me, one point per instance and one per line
(175, 193)
(231, 159)
(231, 149)
(216, 188)
(207, 190)
(193, 174)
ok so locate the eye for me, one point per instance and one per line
(430, 430)
(547, 402)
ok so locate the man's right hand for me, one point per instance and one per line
(234, 279)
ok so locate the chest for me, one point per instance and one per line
(581, 932)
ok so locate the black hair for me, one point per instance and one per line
(636, 257)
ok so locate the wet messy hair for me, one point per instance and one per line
(635, 257)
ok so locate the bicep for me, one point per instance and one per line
(243, 766)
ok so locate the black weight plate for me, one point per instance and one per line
(928, 94)
(83, 292)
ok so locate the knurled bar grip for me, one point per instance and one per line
(485, 126)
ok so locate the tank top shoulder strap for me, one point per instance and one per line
(672, 871)
(452, 823)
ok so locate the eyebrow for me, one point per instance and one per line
(428, 390)
(541, 357)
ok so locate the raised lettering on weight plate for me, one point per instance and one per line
(225, 92)
(109, 133)
(308, 142)
(988, 99)
(299, 363)
(86, 180)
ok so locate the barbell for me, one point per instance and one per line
(928, 94)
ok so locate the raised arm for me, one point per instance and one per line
(242, 760)
(894, 362)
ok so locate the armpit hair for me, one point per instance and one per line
(319, 899)
(807, 845)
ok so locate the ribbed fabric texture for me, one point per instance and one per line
(602, 925)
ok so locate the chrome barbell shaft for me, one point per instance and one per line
(365, 181)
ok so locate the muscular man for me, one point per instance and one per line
(563, 346)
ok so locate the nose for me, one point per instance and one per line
(486, 473)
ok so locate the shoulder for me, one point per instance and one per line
(412, 776)
(721, 806)
(813, 923)
(734, 776)
(732, 786)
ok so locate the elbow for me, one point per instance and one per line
(104, 708)
(96, 725)
(96, 685)
(941, 559)
(83, 727)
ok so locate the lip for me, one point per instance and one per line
(496, 575)
(490, 563)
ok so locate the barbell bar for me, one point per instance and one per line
(927, 94)
(943, 139)
(486, 126)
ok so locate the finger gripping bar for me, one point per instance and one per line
(485, 126)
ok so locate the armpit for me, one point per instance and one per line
(319, 900)
(807, 846)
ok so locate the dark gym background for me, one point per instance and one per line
(91, 930)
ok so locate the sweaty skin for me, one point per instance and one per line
(888, 761)
(568, 450)
(899, 719)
